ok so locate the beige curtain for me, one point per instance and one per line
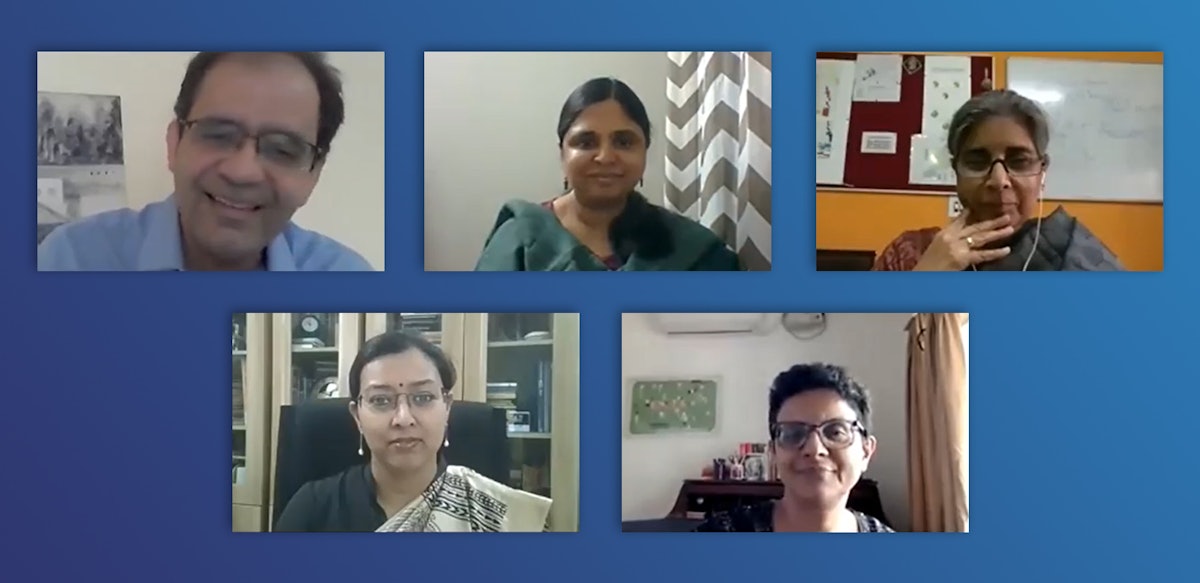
(937, 423)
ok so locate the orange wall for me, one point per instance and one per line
(869, 221)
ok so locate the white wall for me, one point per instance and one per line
(348, 202)
(871, 346)
(490, 136)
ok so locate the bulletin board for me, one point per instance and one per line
(891, 172)
(673, 405)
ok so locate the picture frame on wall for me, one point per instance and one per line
(80, 158)
(673, 405)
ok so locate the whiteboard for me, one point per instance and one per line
(1106, 126)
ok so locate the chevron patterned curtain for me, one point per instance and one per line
(719, 147)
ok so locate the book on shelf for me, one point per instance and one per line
(502, 395)
(428, 325)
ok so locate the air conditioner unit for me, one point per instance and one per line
(710, 323)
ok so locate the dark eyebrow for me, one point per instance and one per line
(416, 384)
(624, 132)
(1007, 151)
(268, 129)
(842, 419)
(422, 384)
(272, 129)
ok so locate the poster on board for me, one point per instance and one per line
(835, 90)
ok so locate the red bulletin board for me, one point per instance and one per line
(883, 172)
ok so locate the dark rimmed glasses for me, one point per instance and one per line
(281, 149)
(387, 403)
(835, 433)
(972, 166)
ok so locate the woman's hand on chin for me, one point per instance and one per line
(960, 245)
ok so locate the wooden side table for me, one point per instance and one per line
(699, 497)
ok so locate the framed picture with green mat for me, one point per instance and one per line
(673, 406)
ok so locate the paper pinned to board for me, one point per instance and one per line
(877, 78)
(879, 143)
(835, 90)
(947, 88)
(929, 162)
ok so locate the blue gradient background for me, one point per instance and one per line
(115, 425)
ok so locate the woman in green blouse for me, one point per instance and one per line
(601, 222)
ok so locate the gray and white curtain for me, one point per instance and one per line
(719, 147)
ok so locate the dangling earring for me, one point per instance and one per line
(642, 182)
(565, 186)
(446, 443)
(361, 440)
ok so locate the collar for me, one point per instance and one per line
(162, 244)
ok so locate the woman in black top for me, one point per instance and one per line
(818, 471)
(400, 390)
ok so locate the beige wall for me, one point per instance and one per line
(348, 202)
(490, 135)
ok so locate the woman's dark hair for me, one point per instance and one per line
(598, 90)
(390, 343)
(802, 378)
(332, 108)
(641, 226)
(1000, 103)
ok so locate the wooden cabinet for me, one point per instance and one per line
(251, 419)
(528, 363)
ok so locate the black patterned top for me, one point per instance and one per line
(457, 500)
(761, 518)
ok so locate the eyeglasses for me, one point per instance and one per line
(981, 167)
(835, 433)
(419, 401)
(281, 149)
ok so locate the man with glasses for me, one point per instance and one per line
(249, 140)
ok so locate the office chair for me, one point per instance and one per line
(318, 439)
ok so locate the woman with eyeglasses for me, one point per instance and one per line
(400, 389)
(997, 144)
(821, 444)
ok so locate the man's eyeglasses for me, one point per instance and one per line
(278, 148)
(981, 166)
(388, 402)
(835, 433)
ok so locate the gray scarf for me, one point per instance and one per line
(1065, 244)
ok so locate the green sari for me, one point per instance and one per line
(528, 237)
